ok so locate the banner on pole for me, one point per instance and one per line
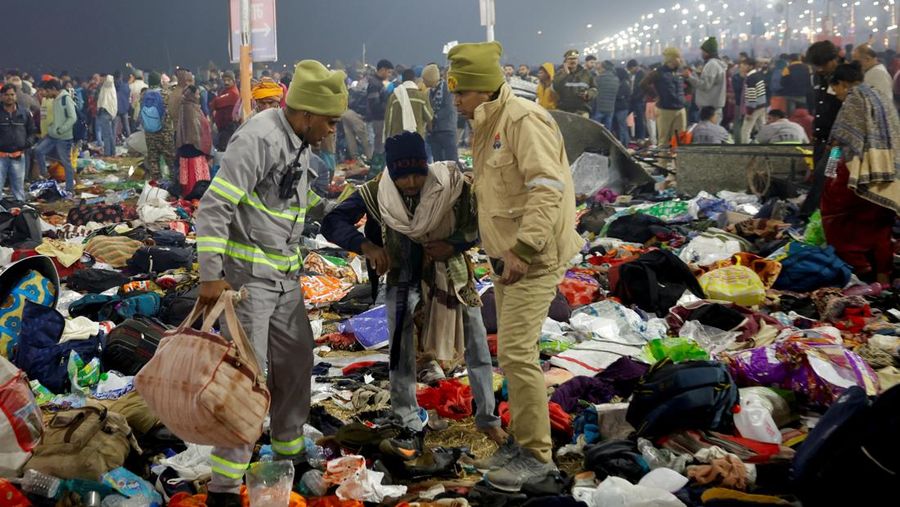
(263, 36)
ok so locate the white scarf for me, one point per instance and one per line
(443, 187)
(107, 97)
(409, 119)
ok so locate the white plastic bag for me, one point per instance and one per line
(591, 172)
(617, 492)
(705, 250)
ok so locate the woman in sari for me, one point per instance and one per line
(862, 196)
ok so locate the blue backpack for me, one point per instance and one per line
(807, 268)
(153, 110)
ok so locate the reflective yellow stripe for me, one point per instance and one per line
(289, 448)
(208, 244)
(221, 181)
(230, 198)
(227, 468)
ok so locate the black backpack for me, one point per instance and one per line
(131, 345)
(637, 228)
(157, 259)
(619, 458)
(176, 306)
(692, 395)
(855, 443)
(20, 228)
(168, 238)
(654, 282)
(95, 281)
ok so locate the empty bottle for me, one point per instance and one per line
(313, 484)
(40, 484)
(834, 157)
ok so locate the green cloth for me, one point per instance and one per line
(668, 211)
(475, 67)
(317, 90)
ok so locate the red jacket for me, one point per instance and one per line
(223, 106)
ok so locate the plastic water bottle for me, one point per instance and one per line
(754, 421)
(121, 501)
(831, 165)
(41, 484)
(313, 484)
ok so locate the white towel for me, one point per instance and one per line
(409, 119)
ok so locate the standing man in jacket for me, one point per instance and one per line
(876, 75)
(526, 218)
(223, 110)
(575, 86)
(709, 86)
(123, 100)
(59, 131)
(160, 144)
(755, 99)
(17, 134)
(248, 235)
(377, 103)
(637, 100)
(795, 84)
(668, 85)
(442, 137)
(607, 84)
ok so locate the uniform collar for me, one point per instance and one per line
(487, 111)
(296, 142)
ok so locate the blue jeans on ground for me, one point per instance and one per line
(106, 133)
(622, 130)
(606, 119)
(403, 375)
(13, 170)
(61, 149)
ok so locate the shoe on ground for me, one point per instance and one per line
(523, 469)
(407, 445)
(501, 457)
(169, 484)
(223, 500)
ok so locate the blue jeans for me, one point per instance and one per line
(61, 149)
(106, 133)
(606, 119)
(443, 146)
(622, 131)
(13, 169)
(403, 375)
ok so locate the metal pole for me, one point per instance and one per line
(490, 33)
(246, 59)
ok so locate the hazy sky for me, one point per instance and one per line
(85, 36)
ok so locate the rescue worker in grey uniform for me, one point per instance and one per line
(249, 226)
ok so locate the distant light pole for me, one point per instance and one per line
(246, 59)
(487, 17)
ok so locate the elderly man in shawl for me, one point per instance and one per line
(420, 221)
(862, 194)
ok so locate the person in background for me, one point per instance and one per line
(137, 85)
(377, 98)
(520, 164)
(709, 86)
(780, 130)
(223, 108)
(623, 109)
(637, 102)
(802, 117)
(708, 130)
(876, 75)
(183, 78)
(754, 99)
(353, 122)
(17, 135)
(575, 86)
(414, 251)
(509, 71)
(59, 132)
(590, 63)
(194, 141)
(266, 162)
(123, 106)
(408, 108)
(267, 94)
(546, 95)
(525, 74)
(861, 198)
(107, 109)
(667, 85)
(795, 83)
(442, 137)
(159, 143)
(824, 58)
(607, 83)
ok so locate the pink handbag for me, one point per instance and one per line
(205, 388)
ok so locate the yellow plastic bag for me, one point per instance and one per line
(737, 284)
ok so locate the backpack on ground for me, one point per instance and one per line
(654, 282)
(153, 111)
(131, 344)
(83, 443)
(807, 268)
(850, 456)
(157, 259)
(618, 458)
(692, 395)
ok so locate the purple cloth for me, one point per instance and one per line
(623, 375)
(589, 389)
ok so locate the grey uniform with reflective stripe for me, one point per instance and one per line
(250, 237)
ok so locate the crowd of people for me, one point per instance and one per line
(402, 129)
